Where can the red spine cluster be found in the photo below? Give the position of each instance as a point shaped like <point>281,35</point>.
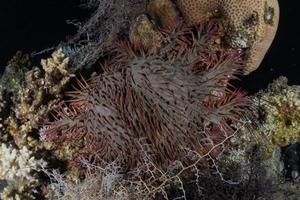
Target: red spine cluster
<point>165,102</point>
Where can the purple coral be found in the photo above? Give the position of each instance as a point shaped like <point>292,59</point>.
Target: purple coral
<point>164,102</point>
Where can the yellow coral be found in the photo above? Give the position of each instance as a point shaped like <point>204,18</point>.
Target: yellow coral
<point>282,107</point>
<point>31,108</point>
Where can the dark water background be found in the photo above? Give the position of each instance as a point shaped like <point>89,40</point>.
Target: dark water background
<point>34,25</point>
<point>283,58</point>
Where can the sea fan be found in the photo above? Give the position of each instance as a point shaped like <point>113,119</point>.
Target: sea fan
<point>164,102</point>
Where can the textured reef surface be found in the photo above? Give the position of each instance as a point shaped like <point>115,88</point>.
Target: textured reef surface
<point>144,103</point>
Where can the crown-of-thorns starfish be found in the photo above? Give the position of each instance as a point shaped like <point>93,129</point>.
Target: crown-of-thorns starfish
<point>251,23</point>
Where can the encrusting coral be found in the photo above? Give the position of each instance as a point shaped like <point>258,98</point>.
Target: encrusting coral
<point>249,24</point>
<point>11,84</point>
<point>17,173</point>
<point>277,134</point>
<point>280,108</point>
<point>162,11</point>
<point>277,124</point>
<point>142,33</point>
<point>160,102</point>
<point>14,74</point>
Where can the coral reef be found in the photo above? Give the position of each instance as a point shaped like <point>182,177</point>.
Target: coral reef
<point>248,25</point>
<point>280,108</point>
<point>251,24</point>
<point>142,33</point>
<point>14,74</point>
<point>27,95</point>
<point>160,119</point>
<point>57,73</point>
<point>277,117</point>
<point>277,133</point>
<point>11,84</point>
<point>39,93</point>
<point>162,11</point>
<point>17,173</point>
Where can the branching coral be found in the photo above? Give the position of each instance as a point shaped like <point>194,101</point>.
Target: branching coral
<point>57,73</point>
<point>11,83</point>
<point>17,169</point>
<point>40,92</point>
<point>164,101</point>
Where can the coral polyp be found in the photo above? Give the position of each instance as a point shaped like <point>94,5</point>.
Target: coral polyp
<point>162,102</point>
